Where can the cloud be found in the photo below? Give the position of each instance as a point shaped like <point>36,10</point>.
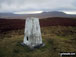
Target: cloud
<point>36,5</point>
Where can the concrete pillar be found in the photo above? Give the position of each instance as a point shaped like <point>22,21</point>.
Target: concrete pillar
<point>32,33</point>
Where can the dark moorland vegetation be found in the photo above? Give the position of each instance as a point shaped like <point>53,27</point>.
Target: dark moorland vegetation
<point>14,24</point>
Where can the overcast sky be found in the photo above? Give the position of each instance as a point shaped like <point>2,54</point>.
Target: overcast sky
<point>37,5</point>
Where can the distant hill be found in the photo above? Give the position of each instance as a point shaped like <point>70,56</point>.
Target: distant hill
<point>40,15</point>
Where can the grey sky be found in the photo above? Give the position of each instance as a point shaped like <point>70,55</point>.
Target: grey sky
<point>37,5</point>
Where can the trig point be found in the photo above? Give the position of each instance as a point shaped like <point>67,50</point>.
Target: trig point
<point>32,33</point>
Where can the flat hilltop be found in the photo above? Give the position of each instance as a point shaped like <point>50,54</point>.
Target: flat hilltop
<point>58,34</point>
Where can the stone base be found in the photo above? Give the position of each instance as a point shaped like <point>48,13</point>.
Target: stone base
<point>37,46</point>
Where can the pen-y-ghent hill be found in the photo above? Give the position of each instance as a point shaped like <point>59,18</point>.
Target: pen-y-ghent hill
<point>58,33</point>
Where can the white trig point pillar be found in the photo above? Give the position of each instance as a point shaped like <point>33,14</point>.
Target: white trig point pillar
<point>32,33</point>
